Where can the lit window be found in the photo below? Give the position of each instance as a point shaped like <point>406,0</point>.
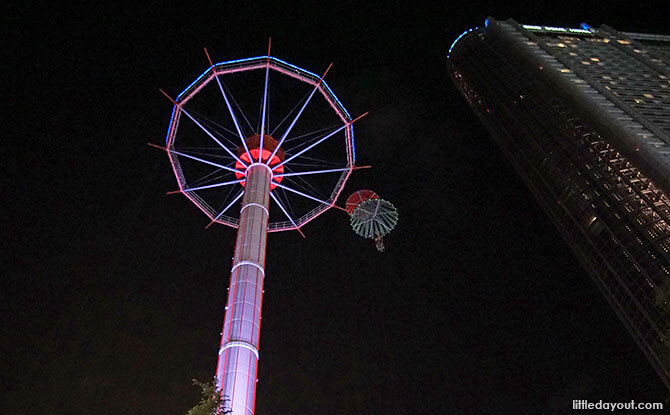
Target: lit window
<point>595,59</point>
<point>565,70</point>
<point>648,95</point>
<point>560,45</point>
<point>623,42</point>
<point>572,54</point>
<point>585,63</point>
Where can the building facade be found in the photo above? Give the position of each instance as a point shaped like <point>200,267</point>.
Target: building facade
<point>583,115</point>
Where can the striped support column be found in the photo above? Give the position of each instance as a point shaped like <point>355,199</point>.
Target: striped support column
<point>238,355</point>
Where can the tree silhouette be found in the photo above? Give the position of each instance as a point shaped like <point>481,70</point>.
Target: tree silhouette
<point>211,400</point>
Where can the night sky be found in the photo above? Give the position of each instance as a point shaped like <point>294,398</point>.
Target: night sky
<point>113,293</point>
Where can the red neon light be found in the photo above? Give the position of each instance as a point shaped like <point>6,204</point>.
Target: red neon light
<point>357,198</point>
<point>266,154</point>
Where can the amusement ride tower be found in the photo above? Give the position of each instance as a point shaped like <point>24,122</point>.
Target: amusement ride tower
<point>219,156</point>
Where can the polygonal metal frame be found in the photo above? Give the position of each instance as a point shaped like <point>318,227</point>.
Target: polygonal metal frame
<point>250,64</point>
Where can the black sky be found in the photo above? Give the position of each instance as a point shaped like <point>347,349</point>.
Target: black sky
<point>113,292</point>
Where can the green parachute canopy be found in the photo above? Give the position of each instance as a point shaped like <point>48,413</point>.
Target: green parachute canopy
<point>374,218</point>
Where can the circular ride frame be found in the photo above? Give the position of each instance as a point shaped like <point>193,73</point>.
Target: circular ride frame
<point>236,373</point>
<point>249,64</point>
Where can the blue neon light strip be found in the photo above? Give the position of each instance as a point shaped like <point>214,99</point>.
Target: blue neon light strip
<point>584,30</point>
<point>193,83</point>
<point>527,27</point>
<point>259,58</point>
<point>353,144</point>
<point>209,69</point>
<point>316,78</point>
<point>459,38</point>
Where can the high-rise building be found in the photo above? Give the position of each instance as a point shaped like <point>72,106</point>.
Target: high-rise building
<point>584,117</point>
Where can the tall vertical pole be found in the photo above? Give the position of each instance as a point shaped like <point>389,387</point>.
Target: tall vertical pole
<point>238,355</point>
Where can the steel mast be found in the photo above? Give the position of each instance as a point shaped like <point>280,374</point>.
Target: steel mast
<point>238,355</point>
<point>208,165</point>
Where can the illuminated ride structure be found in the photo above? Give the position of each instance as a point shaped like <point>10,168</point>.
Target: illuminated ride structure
<point>371,217</point>
<point>294,168</point>
<point>583,115</point>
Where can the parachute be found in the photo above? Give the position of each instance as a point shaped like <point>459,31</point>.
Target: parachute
<point>371,217</point>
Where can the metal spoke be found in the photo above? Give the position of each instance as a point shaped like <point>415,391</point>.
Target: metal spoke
<point>283,210</point>
<point>310,133</point>
<point>288,115</point>
<point>325,163</point>
<point>301,173</point>
<point>231,190</point>
<point>239,108</point>
<point>301,193</point>
<point>213,138</point>
<point>211,122</point>
<point>203,153</point>
<point>264,109</point>
<point>267,115</point>
<point>209,186</point>
<point>362,209</point>
<point>221,166</point>
<point>306,186</point>
<point>290,127</point>
<point>232,114</point>
<point>301,144</point>
<point>297,164</point>
<point>193,148</point>
<point>229,205</point>
<point>283,197</point>
<point>208,177</point>
<point>312,146</point>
